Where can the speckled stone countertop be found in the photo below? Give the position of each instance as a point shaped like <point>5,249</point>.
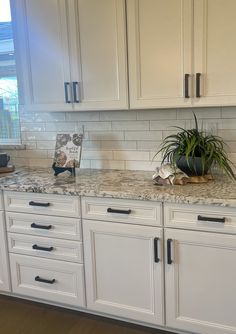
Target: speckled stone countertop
<point>119,184</point>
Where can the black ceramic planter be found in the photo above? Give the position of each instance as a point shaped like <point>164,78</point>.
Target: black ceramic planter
<point>193,167</point>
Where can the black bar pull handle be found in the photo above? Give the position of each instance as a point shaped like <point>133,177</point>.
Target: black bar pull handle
<point>42,227</point>
<point>66,89</point>
<point>75,86</point>
<point>32,203</point>
<point>46,249</point>
<point>156,257</point>
<point>169,259</point>
<point>198,85</point>
<point>211,219</point>
<point>124,212</point>
<point>186,85</point>
<point>43,280</point>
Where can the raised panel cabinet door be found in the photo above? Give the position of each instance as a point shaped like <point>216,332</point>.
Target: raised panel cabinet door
<point>98,54</point>
<point>42,40</point>
<point>215,52</point>
<point>123,270</point>
<point>200,274</point>
<point>4,262</point>
<point>159,53</point>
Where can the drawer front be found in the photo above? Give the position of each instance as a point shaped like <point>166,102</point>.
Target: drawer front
<point>200,217</point>
<point>66,250</point>
<point>55,205</point>
<point>52,280</point>
<point>57,227</point>
<point>1,201</point>
<point>122,210</point>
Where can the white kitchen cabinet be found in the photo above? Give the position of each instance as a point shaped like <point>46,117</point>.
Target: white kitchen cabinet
<point>73,54</point>
<point>159,52</point>
<point>124,270</point>
<point>43,53</point>
<point>4,263</point>
<point>181,53</point>
<point>215,51</point>
<point>200,274</point>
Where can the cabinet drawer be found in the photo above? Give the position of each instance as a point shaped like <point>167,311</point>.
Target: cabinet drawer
<point>56,205</point>
<point>66,250</point>
<point>57,227</point>
<point>121,210</point>
<point>52,280</point>
<point>200,217</point>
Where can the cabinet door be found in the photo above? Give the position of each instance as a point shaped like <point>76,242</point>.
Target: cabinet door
<point>43,52</point>
<point>4,263</point>
<point>215,51</point>
<point>98,52</point>
<point>159,41</point>
<point>122,277</point>
<point>200,293</point>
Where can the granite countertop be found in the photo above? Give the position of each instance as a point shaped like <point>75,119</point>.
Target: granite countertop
<point>119,184</point>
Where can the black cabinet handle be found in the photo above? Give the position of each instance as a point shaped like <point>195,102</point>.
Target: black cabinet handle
<point>198,87</point>
<point>125,212</point>
<point>211,219</point>
<point>32,203</point>
<point>156,257</point>
<point>186,85</point>
<point>66,89</point>
<point>75,86</point>
<point>169,259</point>
<point>43,280</point>
<point>46,249</point>
<point>42,227</point>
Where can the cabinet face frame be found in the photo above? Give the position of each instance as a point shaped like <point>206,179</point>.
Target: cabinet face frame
<point>184,313</point>
<point>98,296</point>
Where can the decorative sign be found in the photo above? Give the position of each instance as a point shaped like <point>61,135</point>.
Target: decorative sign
<point>68,150</point>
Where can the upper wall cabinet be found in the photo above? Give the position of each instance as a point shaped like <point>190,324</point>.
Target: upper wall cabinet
<point>73,54</point>
<point>159,42</point>
<point>181,53</point>
<point>215,52</point>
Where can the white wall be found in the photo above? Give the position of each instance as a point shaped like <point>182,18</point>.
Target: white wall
<point>117,139</point>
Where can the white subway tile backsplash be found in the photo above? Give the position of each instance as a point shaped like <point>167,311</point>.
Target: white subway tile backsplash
<point>143,135</point>
<point>158,114</point>
<point>61,126</point>
<point>126,139</point>
<point>119,145</point>
<point>213,112</point>
<point>130,125</point>
<point>131,155</point>
<point>107,164</point>
<point>83,116</point>
<point>97,126</point>
<point>127,115</point>
<point>49,117</point>
<point>166,125</point>
<point>108,135</point>
<point>97,155</point>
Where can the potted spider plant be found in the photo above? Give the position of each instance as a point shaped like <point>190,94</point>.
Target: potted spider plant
<point>195,152</point>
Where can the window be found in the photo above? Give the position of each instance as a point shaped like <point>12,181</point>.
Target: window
<point>9,115</point>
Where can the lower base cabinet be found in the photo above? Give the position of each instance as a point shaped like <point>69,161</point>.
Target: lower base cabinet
<point>123,270</point>
<point>200,281</point>
<point>4,265</point>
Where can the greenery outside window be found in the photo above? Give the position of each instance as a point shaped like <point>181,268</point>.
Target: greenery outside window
<point>9,113</point>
